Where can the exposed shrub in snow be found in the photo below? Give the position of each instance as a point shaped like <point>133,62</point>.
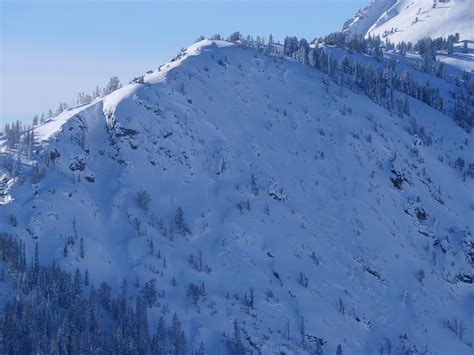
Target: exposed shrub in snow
<point>12,220</point>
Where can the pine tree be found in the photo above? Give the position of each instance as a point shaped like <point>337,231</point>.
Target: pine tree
<point>357,75</point>
<point>159,339</point>
<point>82,252</point>
<point>178,338</point>
<point>112,85</point>
<point>77,288</point>
<point>302,53</point>
<point>378,53</point>
<point>450,44</point>
<point>140,326</point>
<point>181,224</point>
<point>86,278</point>
<point>151,247</point>
<point>290,46</point>
<point>440,70</point>
<point>234,37</point>
<point>36,264</point>
<point>96,93</point>
<point>104,295</point>
<point>252,298</point>
<point>143,200</point>
<point>149,293</point>
<point>234,345</point>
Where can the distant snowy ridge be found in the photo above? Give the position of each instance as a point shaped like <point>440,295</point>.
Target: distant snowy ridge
<point>411,20</point>
<point>368,17</point>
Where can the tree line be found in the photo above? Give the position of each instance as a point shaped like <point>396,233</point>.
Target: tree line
<point>379,81</point>
<point>57,312</point>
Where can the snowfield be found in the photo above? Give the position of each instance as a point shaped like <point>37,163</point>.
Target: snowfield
<point>310,213</point>
<point>411,20</point>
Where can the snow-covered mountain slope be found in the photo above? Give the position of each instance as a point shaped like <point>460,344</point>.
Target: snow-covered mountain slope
<point>365,18</point>
<point>345,222</point>
<point>411,20</point>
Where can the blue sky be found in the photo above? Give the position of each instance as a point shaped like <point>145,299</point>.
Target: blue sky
<point>51,50</point>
